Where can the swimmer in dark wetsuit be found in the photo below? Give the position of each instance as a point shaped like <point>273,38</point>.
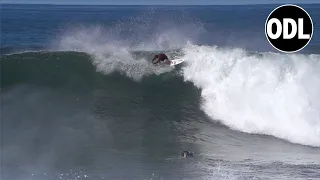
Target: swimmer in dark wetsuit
<point>186,154</point>
<point>161,57</point>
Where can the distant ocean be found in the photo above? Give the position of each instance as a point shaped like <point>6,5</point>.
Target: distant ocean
<point>80,99</point>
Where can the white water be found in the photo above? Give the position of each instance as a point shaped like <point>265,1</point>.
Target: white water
<point>111,46</point>
<point>110,53</point>
<point>272,94</point>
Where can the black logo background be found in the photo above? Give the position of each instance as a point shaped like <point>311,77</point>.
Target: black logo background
<point>293,12</point>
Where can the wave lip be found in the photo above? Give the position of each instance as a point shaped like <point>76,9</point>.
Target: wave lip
<point>111,54</point>
<point>267,93</point>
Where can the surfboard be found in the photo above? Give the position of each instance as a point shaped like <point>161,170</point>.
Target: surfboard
<point>176,62</point>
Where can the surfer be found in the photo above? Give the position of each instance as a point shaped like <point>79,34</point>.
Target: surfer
<point>161,57</point>
<point>186,154</point>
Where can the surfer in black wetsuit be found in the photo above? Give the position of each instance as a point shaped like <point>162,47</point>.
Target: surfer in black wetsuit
<point>161,57</point>
<point>186,154</point>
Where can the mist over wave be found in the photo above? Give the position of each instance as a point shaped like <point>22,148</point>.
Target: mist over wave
<point>109,55</point>
<point>268,93</point>
<point>111,47</point>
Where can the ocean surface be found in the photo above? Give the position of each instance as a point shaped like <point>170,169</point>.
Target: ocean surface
<point>80,99</point>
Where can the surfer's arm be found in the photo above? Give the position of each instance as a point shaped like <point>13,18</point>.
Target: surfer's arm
<point>156,61</point>
<point>155,57</point>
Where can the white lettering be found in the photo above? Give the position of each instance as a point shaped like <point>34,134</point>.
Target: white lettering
<point>269,28</point>
<point>300,34</point>
<point>286,22</point>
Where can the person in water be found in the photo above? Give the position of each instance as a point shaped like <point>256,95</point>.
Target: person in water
<point>186,154</point>
<point>161,57</point>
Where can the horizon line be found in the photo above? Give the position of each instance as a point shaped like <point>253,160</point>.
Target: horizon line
<point>83,4</point>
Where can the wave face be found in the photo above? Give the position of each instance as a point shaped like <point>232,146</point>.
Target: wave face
<point>268,93</point>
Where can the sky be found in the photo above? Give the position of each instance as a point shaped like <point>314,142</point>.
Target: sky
<point>160,2</point>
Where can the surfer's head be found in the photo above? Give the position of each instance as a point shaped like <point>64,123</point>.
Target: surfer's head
<point>186,154</point>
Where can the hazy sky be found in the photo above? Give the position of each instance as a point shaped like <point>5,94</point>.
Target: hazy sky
<point>164,2</point>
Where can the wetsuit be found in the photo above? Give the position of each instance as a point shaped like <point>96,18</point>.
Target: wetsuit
<point>161,57</point>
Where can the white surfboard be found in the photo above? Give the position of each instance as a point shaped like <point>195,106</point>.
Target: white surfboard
<point>176,62</point>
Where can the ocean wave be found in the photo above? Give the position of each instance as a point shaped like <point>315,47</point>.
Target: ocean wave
<point>265,93</point>
<point>59,68</point>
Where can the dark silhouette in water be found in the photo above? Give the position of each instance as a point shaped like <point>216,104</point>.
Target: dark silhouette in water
<point>186,154</point>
